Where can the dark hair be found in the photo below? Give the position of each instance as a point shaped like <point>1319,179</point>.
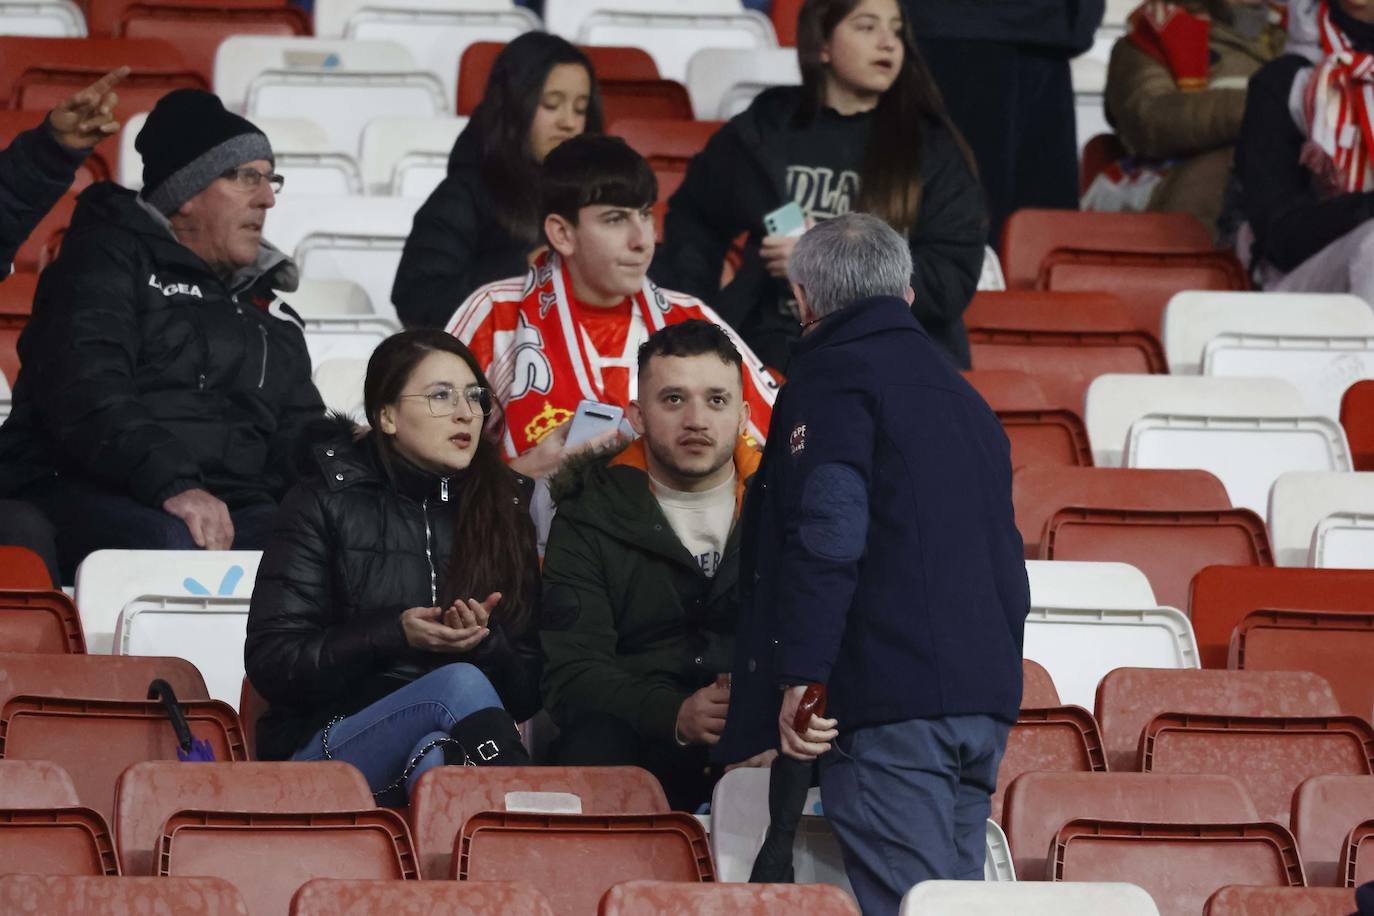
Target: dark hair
<point>890,179</point>
<point>501,123</point>
<point>493,536</point>
<point>693,337</point>
<point>590,170</point>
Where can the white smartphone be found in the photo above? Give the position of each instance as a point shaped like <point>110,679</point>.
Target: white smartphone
<point>592,419</point>
<point>786,220</point>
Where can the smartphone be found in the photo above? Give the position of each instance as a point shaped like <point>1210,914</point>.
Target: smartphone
<point>592,419</point>
<point>786,220</point>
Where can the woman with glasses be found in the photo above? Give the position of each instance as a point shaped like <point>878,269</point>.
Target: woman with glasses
<point>393,620</point>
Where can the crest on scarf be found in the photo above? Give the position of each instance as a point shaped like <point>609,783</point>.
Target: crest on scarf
<point>546,421</point>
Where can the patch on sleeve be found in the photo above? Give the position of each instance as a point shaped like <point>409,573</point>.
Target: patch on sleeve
<point>798,439</point>
<point>561,608</point>
<point>834,513</point>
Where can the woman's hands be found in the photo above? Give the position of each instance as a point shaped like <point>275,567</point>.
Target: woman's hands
<point>453,630</point>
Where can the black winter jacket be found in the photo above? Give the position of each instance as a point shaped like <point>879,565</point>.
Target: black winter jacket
<point>351,550</point>
<point>739,177</point>
<point>35,171</point>
<point>456,244</point>
<point>1064,24</point>
<point>145,372</point>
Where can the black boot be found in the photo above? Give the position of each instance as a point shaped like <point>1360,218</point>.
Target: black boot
<point>487,738</point>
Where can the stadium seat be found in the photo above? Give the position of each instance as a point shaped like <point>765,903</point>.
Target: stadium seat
<point>42,19</point>
<point>445,797</point>
<point>1270,756</point>
<point>1357,417</point>
<point>207,632</point>
<point>12,123</point>
<point>107,580</point>
<point>1169,546</point>
<point>723,81</point>
<point>39,621</point>
<point>1041,431</point>
<point>991,279</point>
<point>968,898</point>
<point>407,157</point>
<point>1179,866</point>
<point>740,818</point>
<point>1037,687</point>
<point>16,304</point>
<point>62,895</point>
<point>1343,540</point>
<point>1039,492</point>
<point>1221,596</point>
<point>198,32</point>
<point>30,258</point>
<point>37,73</point>
<point>252,706</point>
<point>1100,153</point>
<point>104,16</point>
<point>333,17</point>
<point>1321,367</point>
<point>268,856</point>
<point>1357,859</point>
<point>669,145</point>
<point>1064,583</point>
<point>97,677</point>
<point>657,98</point>
<point>1128,699</point>
<point>241,61</point>
<point>333,896</point>
<point>340,381</point>
<point>1038,804</point>
<point>1078,646</point>
<point>573,859</point>
<point>36,784</point>
<point>784,14</point>
<point>1326,809</point>
<point>1058,738</point>
<point>316,298</point>
<point>1247,900</point>
<point>610,64</point>
<point>335,338</point>
<point>55,841</point>
<point>660,898</point>
<point>565,17</point>
<point>1300,500</point>
<point>671,38</point>
<point>1336,645</point>
<point>147,794</point>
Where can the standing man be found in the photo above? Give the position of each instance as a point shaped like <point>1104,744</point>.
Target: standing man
<point>881,559</point>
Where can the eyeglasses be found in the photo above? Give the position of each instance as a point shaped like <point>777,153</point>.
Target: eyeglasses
<point>443,402</point>
<point>249,178</point>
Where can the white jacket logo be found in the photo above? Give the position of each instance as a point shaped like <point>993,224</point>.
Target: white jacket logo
<point>175,289</point>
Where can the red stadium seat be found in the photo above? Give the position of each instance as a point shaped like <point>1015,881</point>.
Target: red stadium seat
<point>1038,690</point>
<point>86,896</point>
<point>1179,866</point>
<point>147,794</point>
<point>1357,416</point>
<point>445,797</point>
<point>1221,597</point>
<point>1058,739</point>
<point>573,859</point>
<point>251,708</point>
<point>641,99</point>
<point>1038,804</point>
<point>332,896</point>
<point>784,15</point>
<point>669,145</point>
<point>19,566</point>
<point>1325,811</point>
<point>39,621</point>
<point>1039,492</point>
<point>1100,152</point>
<point>1030,235</point>
<point>269,856</point>
<point>1042,432</point>
<point>474,68</point>
<point>1335,644</point>
<point>1128,699</point>
<point>55,841</point>
<point>660,898</point>
<point>197,32</point>
<point>1246,900</point>
<point>37,784</point>
<point>29,257</point>
<point>93,169</point>
<point>36,73</point>
<point>103,17</point>
<point>99,677</point>
<point>1357,859</point>
<point>1169,547</point>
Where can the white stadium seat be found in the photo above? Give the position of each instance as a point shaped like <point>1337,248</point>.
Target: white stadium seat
<point>207,632</point>
<point>408,157</point>
<point>1300,500</point>
<point>1027,898</point>
<point>333,16</point>
<point>672,38</point>
<point>991,279</point>
<point>1344,540</point>
<point>243,58</point>
<point>315,298</point>
<point>1090,585</point>
<point>340,381</point>
<point>345,338</point>
<point>1089,102</point>
<point>1322,368</point>
<point>42,19</point>
<point>564,17</point>
<point>723,81</point>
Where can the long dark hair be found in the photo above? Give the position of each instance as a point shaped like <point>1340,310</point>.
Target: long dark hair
<point>501,123</point>
<point>493,536</point>
<point>890,180</point>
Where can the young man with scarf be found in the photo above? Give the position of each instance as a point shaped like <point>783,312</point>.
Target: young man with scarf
<point>1304,159</point>
<point>570,328</point>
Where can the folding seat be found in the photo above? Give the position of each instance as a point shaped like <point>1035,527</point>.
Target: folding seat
<point>565,17</point>
<point>208,632</point>
<point>671,38</point>
<point>784,15</point>
<point>345,337</point>
<point>198,32</point>
<point>724,81</point>
<point>1320,366</point>
<point>55,841</point>
<point>62,895</point>
<point>408,157</point>
<point>669,145</point>
<point>39,621</point>
<point>42,19</point>
<point>13,123</point>
<point>1326,810</point>
<point>1042,431</point>
<point>1128,699</point>
<point>96,677</point>
<point>661,99</point>
<point>1037,687</point>
<point>659,898</point>
<point>1220,597</point>
<point>1065,583</point>
<point>446,797</point>
<point>1357,859</point>
<point>340,381</point>
<point>1100,153</point>
<point>991,279</point>
<point>1333,644</point>
<point>1300,500</point>
<point>147,794</point>
<point>968,898</point>
<point>1039,492</point>
<point>36,784</point>
<point>610,63</point>
<point>1343,540</point>
<point>107,580</point>
<point>316,298</point>
<point>104,16</point>
<point>331,896</point>
<point>1357,417</point>
<point>1056,738</point>
<point>1247,900</point>
<point>1088,76</point>
<point>31,258</point>
<point>1038,804</point>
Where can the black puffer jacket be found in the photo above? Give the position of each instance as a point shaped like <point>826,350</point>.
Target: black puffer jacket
<point>456,244</point>
<point>35,171</point>
<point>351,550</point>
<point>143,371</point>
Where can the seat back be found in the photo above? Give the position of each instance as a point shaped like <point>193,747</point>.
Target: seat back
<point>339,338</point>
<point>671,38</point>
<point>332,17</point>
<point>446,797</point>
<point>660,99</point>
<point>1029,236</point>
<point>565,17</point>
<point>241,60</point>
<point>317,298</point>
<point>147,59</point>
<point>1057,738</point>
<point>36,783</point>
<point>39,621</point>
<point>31,257</point>
<point>1299,500</point>
<point>104,16</point>
<point>55,841</point>
<point>96,677</point>
<point>1343,540</point>
<point>294,142</point>
<point>1038,804</point>
<point>12,123</point>
<point>1326,809</point>
<point>340,381</point>
<point>1357,858</point>
<point>64,895</point>
<point>1321,367</point>
<point>1037,687</point>
<point>661,898</point>
<point>46,18</point>
<point>330,896</point>
<point>1041,430</point>
<point>1357,418</point>
<point>474,69</point>
<point>370,260</point>
<point>207,632</point>
<point>149,793</point>
<point>198,33</point>
<point>1090,586</point>
<point>1027,898</point>
<point>1335,645</point>
<point>397,153</point>
<point>1247,900</point>
<point>723,81</point>
<point>1128,699</point>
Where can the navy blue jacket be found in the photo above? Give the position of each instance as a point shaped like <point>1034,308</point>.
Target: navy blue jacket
<point>879,553</point>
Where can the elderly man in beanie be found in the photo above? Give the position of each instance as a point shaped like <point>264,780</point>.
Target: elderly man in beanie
<point>163,383</point>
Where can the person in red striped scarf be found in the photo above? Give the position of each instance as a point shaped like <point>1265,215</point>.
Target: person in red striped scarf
<point>1305,161</point>
<point>571,327</point>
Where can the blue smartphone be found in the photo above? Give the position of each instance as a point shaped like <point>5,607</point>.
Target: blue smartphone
<point>786,220</point>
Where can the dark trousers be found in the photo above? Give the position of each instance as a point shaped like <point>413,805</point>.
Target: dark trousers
<point>1014,106</point>
<point>909,802</point>
<point>603,741</point>
<point>22,524</point>
<point>89,517</point>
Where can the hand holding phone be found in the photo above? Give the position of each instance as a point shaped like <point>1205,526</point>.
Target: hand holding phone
<point>591,420</point>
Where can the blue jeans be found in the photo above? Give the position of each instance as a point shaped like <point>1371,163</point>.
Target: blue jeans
<point>908,802</point>
<point>381,739</point>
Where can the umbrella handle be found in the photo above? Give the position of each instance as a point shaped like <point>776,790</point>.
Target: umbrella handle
<point>812,703</point>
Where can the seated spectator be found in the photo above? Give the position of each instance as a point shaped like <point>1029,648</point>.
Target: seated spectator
<point>865,131</point>
<point>1176,94</point>
<point>568,329</point>
<point>1305,161</point>
<point>640,601</point>
<point>482,223</point>
<point>163,384</point>
<point>394,612</point>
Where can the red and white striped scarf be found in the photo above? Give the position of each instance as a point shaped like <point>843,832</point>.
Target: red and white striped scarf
<point>1338,105</point>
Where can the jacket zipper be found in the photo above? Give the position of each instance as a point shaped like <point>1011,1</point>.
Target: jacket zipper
<point>429,555</point>
<point>262,376</point>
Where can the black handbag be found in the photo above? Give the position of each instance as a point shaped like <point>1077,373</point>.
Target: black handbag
<point>189,748</point>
